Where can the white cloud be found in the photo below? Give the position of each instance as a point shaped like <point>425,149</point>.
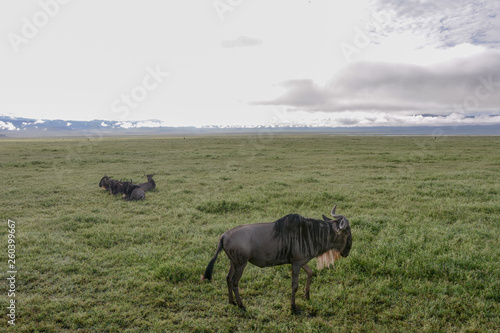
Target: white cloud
<point>7,126</point>
<point>141,124</point>
<point>370,119</point>
<point>125,124</point>
<point>150,123</point>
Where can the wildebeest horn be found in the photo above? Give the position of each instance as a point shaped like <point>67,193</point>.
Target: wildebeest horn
<point>333,210</point>
<point>336,217</point>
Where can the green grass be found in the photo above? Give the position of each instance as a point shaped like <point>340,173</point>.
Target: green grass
<point>424,213</point>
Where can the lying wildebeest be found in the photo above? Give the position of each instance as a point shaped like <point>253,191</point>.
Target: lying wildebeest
<point>115,186</point>
<point>132,191</point>
<point>104,183</point>
<point>149,185</point>
<point>292,239</point>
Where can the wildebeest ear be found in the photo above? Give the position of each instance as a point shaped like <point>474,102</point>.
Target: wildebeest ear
<point>327,219</point>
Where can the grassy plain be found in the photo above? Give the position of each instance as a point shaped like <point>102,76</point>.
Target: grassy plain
<point>424,212</point>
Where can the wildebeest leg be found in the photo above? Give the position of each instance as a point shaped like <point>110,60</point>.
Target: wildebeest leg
<point>229,280</point>
<point>309,272</point>
<point>295,285</point>
<point>238,271</point>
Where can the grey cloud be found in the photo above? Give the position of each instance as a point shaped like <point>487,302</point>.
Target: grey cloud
<point>301,93</point>
<point>465,85</point>
<point>241,41</point>
<point>446,23</point>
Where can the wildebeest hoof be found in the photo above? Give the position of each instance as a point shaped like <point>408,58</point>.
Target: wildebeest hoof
<point>296,310</point>
<point>233,303</point>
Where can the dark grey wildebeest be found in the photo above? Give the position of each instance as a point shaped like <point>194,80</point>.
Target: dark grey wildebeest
<point>292,239</point>
<point>149,185</point>
<point>113,186</point>
<point>132,191</point>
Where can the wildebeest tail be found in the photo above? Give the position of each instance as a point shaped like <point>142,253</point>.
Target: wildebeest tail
<point>210,267</point>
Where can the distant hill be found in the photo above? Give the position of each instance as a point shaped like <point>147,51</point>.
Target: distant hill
<point>26,127</point>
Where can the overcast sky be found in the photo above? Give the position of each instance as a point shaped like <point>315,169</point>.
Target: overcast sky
<point>258,62</point>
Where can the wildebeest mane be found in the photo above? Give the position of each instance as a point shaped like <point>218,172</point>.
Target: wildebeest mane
<point>307,235</point>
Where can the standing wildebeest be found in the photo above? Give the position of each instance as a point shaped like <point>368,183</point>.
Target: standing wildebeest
<point>149,185</point>
<point>292,239</point>
<point>132,191</point>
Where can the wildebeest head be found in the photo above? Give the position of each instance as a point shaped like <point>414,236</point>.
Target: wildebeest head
<point>342,237</point>
<point>104,182</point>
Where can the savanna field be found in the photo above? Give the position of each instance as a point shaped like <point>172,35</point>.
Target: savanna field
<point>424,214</point>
